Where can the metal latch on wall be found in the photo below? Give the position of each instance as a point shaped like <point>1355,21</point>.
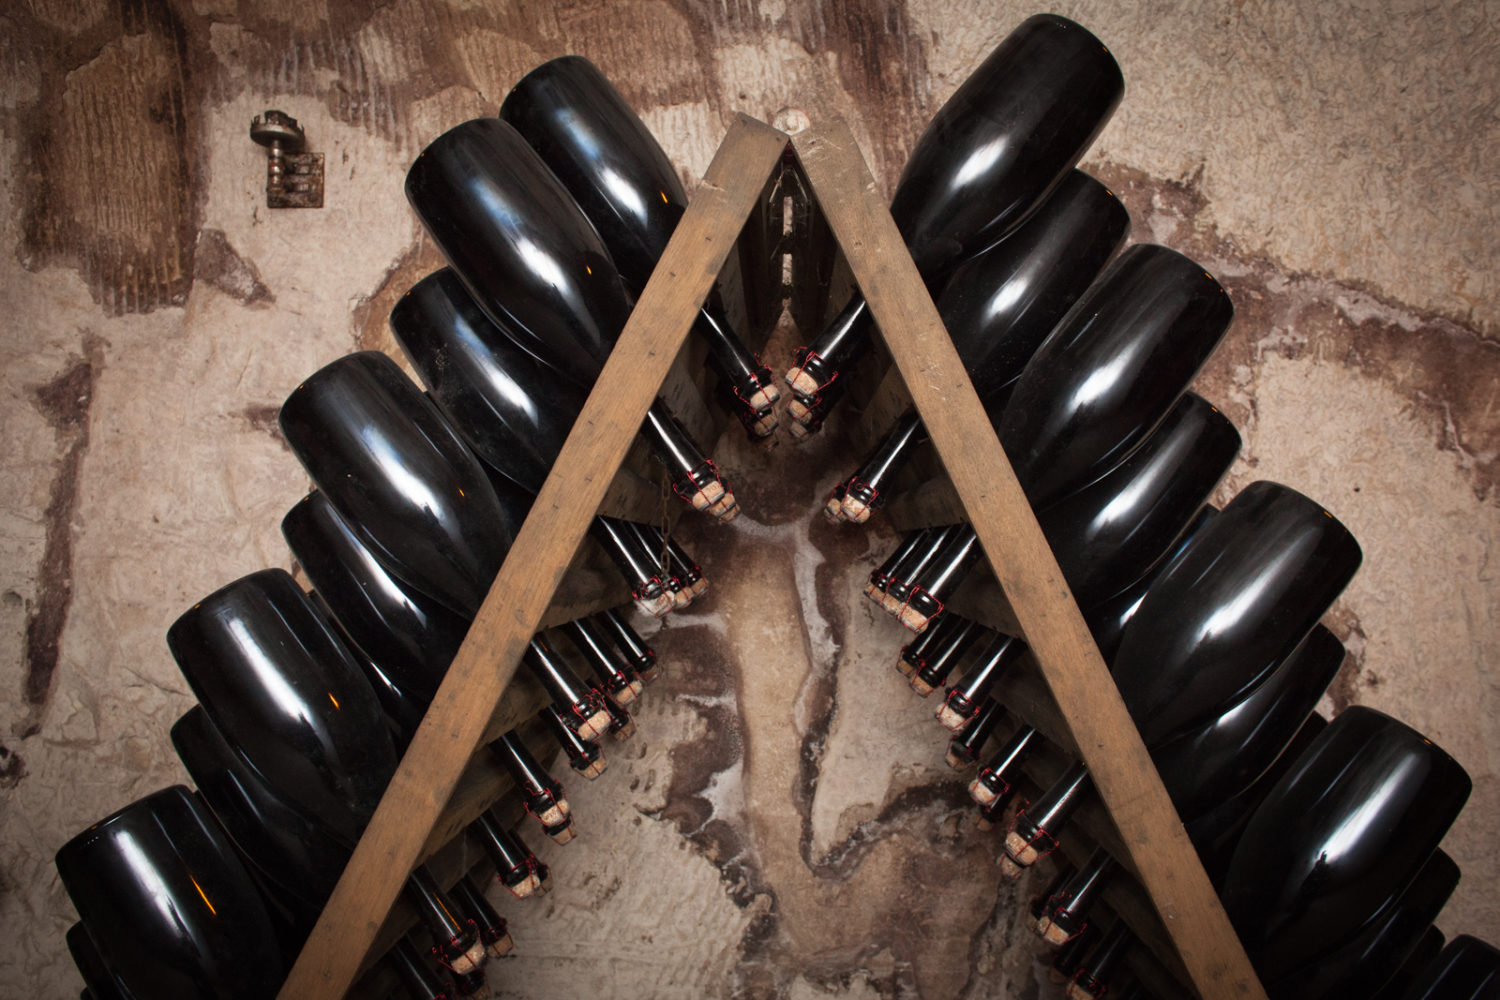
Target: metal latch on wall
<point>294,177</point>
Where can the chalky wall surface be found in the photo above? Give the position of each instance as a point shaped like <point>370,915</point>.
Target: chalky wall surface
<point>784,824</point>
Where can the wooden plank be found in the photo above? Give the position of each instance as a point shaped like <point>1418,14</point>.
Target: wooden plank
<point>1007,529</point>
<point>534,569</point>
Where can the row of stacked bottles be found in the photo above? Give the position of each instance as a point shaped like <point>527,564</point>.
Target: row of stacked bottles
<point>307,698</point>
<point>1322,838</point>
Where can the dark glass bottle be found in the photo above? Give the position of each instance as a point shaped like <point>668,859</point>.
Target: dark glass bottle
<point>1065,914</point>
<point>540,793</point>
<point>934,583</point>
<point>492,929</point>
<point>683,565</point>
<point>1092,979</point>
<point>1000,306</point>
<point>288,850</point>
<point>280,687</point>
<point>1107,620</point>
<point>609,162</point>
<point>629,643</point>
<point>1429,946</point>
<point>583,755</point>
<point>911,567</point>
<point>1113,368</point>
<point>1362,964</point>
<point>617,674</point>
<point>636,564</point>
<point>968,693</point>
<point>581,707</point>
<point>946,654</point>
<point>1110,533</point>
<point>287,697</point>
<point>865,491</point>
<point>400,478</point>
<point>168,904</point>
<point>808,415</point>
<point>538,270</point>
<point>514,410</point>
<point>987,159</point>
<point>1209,765</point>
<point>516,867</point>
<point>1221,759</point>
<point>421,982</point>
<point>651,543</point>
<point>1216,832</point>
<point>410,637</point>
<point>914,655</point>
<point>621,725</point>
<point>455,938</point>
<point>968,743</point>
<point>1231,608</point>
<point>1347,828</point>
<point>996,781</point>
<point>1466,969</point>
<point>880,577</point>
<point>1034,831</point>
<point>99,982</point>
<point>1071,955</point>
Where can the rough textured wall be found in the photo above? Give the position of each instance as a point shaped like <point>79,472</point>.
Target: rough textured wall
<point>784,821</point>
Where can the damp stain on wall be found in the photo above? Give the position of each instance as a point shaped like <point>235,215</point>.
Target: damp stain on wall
<point>64,402</point>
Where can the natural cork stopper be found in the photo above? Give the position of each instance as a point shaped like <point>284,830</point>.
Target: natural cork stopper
<point>594,725</point>
<point>801,382</point>
<point>1018,850</point>
<point>469,960</point>
<point>951,718</point>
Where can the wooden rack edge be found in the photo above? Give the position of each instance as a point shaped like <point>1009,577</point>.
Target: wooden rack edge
<point>1013,542</point>
<point>488,659</point>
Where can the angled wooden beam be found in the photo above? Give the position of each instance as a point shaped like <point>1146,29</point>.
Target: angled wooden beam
<point>1050,620</point>
<point>511,613</point>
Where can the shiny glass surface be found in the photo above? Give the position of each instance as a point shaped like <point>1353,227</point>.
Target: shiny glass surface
<point>623,182</point>
<point>399,477</point>
<point>1240,597</point>
<point>409,637</point>
<point>297,854</point>
<point>1466,969</point>
<point>1347,828</point>
<point>282,689</point>
<point>1000,306</point>
<point>1109,534</point>
<point>169,906</point>
<point>513,410</point>
<point>1217,761</point>
<point>520,245</point>
<point>1005,138</point>
<point>1361,965</point>
<point>1111,370</point>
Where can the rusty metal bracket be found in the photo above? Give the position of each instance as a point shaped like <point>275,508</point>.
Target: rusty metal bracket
<point>294,177</point>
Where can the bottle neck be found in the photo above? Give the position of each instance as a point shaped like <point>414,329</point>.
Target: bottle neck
<point>572,697</point>
<point>965,697</point>
<point>748,380</point>
<point>965,748</point>
<point>946,655</point>
<point>997,779</point>
<point>618,676</point>
<point>456,939</point>
<point>869,487</point>
<point>840,344</point>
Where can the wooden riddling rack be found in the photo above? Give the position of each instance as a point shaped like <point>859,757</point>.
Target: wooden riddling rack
<point>766,195</point>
